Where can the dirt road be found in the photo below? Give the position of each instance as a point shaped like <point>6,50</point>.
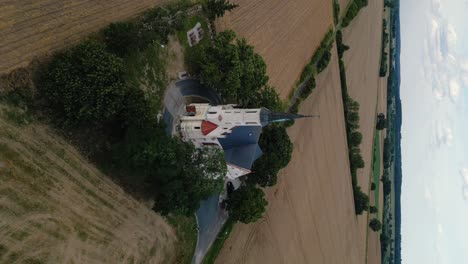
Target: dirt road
<point>57,208</point>
<point>31,28</point>
<point>284,33</point>
<point>310,217</point>
<point>362,64</point>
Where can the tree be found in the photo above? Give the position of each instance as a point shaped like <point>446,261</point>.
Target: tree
<point>324,60</point>
<point>85,85</point>
<point>253,75</point>
<point>247,204</point>
<point>355,158</point>
<point>235,71</point>
<point>355,138</point>
<point>361,200</point>
<point>381,121</point>
<point>217,8</point>
<point>387,185</point>
<point>372,186</point>
<point>375,224</point>
<point>373,209</point>
<point>121,37</point>
<point>267,97</point>
<point>174,173</point>
<point>210,162</point>
<point>277,149</point>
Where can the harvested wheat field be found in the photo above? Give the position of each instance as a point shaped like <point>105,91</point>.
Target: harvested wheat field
<point>57,208</point>
<point>310,217</point>
<point>31,28</point>
<point>284,33</point>
<point>362,62</point>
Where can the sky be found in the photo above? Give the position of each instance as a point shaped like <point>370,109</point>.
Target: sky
<point>434,93</point>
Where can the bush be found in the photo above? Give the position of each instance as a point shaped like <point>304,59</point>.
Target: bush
<point>373,209</point>
<point>84,85</point>
<point>373,186</point>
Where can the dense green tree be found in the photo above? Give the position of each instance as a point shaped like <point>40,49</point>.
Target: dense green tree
<point>267,97</point>
<point>355,138</point>
<point>381,121</point>
<point>220,66</point>
<point>355,158</point>
<point>85,85</point>
<point>178,176</point>
<point>324,60</point>
<point>372,209</point>
<point>372,186</point>
<point>387,185</point>
<point>121,37</point>
<point>253,72</point>
<point>247,204</point>
<point>361,200</point>
<point>234,70</point>
<point>216,8</point>
<point>375,224</point>
<point>277,149</point>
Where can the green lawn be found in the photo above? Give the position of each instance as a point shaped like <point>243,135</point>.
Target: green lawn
<point>189,23</point>
<point>376,169</point>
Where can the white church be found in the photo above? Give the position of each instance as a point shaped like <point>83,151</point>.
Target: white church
<point>236,131</point>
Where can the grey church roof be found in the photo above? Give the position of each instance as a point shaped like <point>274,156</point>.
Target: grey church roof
<point>241,146</point>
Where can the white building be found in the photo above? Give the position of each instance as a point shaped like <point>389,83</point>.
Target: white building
<point>235,130</point>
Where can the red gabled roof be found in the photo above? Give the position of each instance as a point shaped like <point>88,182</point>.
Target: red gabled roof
<point>207,127</point>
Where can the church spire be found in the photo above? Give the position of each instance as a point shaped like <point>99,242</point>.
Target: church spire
<point>267,116</point>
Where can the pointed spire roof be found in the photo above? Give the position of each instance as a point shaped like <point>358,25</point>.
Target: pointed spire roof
<point>267,116</point>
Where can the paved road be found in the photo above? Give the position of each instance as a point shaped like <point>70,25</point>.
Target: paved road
<point>210,219</point>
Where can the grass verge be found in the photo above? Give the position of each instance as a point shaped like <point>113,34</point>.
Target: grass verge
<point>213,253</point>
<point>186,229</point>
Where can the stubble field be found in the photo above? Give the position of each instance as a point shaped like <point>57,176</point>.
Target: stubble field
<point>34,28</point>
<point>57,208</point>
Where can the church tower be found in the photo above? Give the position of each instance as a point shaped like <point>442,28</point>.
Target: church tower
<point>235,130</point>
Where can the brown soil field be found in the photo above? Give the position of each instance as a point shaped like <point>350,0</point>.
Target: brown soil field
<point>57,208</point>
<point>362,64</point>
<point>310,217</point>
<point>284,33</point>
<point>32,28</point>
